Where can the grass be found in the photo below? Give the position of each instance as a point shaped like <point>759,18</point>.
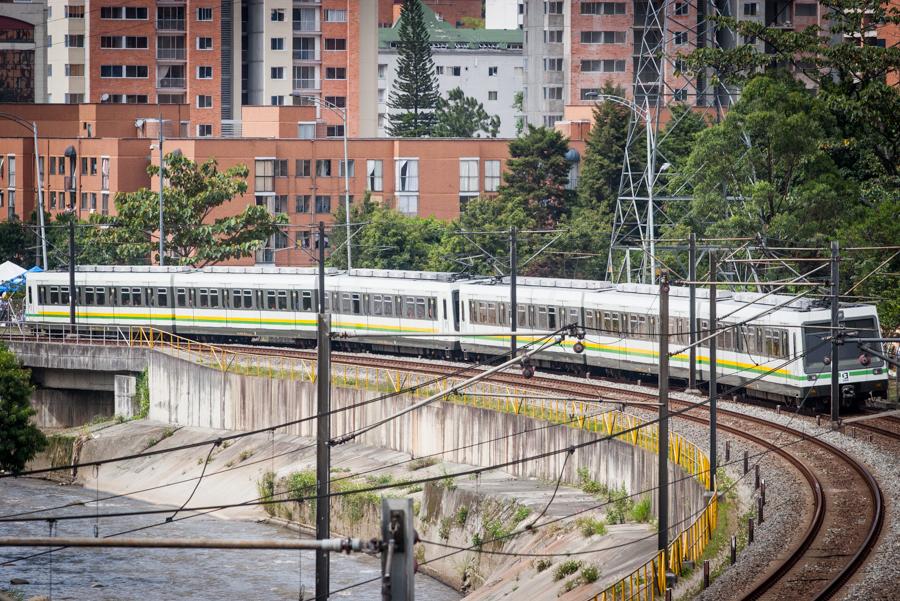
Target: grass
<point>142,394</point>
<point>588,484</point>
<point>266,489</point>
<point>444,530</point>
<point>461,515</point>
<point>566,568</point>
<point>542,564</point>
<point>591,526</point>
<point>590,574</point>
<point>421,463</point>
<point>521,513</point>
<point>447,481</point>
<point>245,455</point>
<point>640,511</point>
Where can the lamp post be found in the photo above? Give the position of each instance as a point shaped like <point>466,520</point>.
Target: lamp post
<point>342,113</point>
<point>643,113</point>
<point>39,176</point>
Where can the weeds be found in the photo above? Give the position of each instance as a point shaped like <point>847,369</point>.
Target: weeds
<point>422,462</point>
<point>461,515</point>
<point>566,568</point>
<point>591,526</point>
<point>542,564</point>
<point>521,513</point>
<point>589,485</point>
<point>640,511</point>
<point>444,530</point>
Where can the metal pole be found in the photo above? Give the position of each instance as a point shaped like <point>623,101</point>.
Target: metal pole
<point>347,192</point>
<point>835,323</point>
<point>332,544</point>
<point>663,426</point>
<point>713,392</point>
<point>39,176</point>
<point>162,165</point>
<point>692,312</point>
<point>323,430</point>
<point>513,302</point>
<point>651,168</point>
<point>72,270</point>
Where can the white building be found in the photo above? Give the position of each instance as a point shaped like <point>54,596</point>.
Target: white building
<point>488,64</point>
<point>504,14</point>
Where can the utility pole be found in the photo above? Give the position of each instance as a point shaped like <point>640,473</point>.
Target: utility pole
<point>72,270</point>
<point>513,303</point>
<point>323,430</point>
<point>692,312</point>
<point>398,535</point>
<point>713,392</point>
<point>162,165</point>
<point>835,324</point>
<point>662,509</point>
<point>39,177</point>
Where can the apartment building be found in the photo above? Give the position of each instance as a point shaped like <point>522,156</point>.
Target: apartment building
<point>486,63</point>
<point>453,12</point>
<point>23,52</point>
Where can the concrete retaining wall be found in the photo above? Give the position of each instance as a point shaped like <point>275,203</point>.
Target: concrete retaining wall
<point>184,393</point>
<point>67,408</point>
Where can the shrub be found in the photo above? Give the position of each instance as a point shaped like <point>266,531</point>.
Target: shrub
<point>461,514</point>
<point>444,530</point>
<point>142,394</point>
<point>542,564</point>
<point>266,488</point>
<point>591,526</point>
<point>589,485</point>
<point>620,506</point>
<point>566,568</point>
<point>590,574</point>
<point>521,513</point>
<point>640,511</point>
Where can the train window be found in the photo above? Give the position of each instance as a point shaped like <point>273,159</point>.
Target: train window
<point>704,332</point>
<point>432,308</point>
<point>125,297</point>
<point>162,297</point>
<point>247,296</point>
<point>574,316</point>
<point>306,300</point>
<point>542,317</point>
<point>282,300</point>
<point>100,295</point>
<point>345,302</point>
<point>137,297</point>
<point>181,297</point>
<point>551,318</point>
<point>473,312</point>
<point>89,295</point>
<point>270,300</point>
<point>377,307</point>
<point>462,311</point>
<point>522,310</point>
<point>589,319</point>
<point>203,297</point>
<point>443,301</point>
<point>391,306</point>
<point>31,301</point>
<point>327,302</point>
<point>492,313</point>
<point>42,295</point>
<point>214,298</point>
<point>503,317</point>
<point>54,295</point>
<point>409,307</point>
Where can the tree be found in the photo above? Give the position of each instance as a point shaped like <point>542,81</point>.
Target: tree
<point>461,116</point>
<point>519,105</point>
<point>193,236</point>
<point>415,95</point>
<point>14,242</point>
<point>20,440</point>
<point>601,168</point>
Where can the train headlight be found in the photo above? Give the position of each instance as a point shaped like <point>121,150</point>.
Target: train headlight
<point>864,360</point>
<point>578,347</point>
<point>827,360</point>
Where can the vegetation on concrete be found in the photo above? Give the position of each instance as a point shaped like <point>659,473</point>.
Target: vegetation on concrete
<point>566,568</point>
<point>590,526</point>
<point>542,564</point>
<point>20,440</point>
<point>415,95</point>
<point>142,394</point>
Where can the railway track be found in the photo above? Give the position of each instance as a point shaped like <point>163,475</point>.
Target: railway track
<point>831,549</point>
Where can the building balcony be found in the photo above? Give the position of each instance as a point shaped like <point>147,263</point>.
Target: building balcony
<point>306,85</point>
<point>306,55</point>
<point>170,25</point>
<point>306,27</point>
<point>171,54</point>
<point>172,83</point>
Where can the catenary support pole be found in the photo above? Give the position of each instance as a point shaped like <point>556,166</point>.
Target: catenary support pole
<point>713,376</point>
<point>347,193</point>
<point>162,165</point>
<point>835,323</point>
<point>39,178</point>
<point>72,270</point>
<point>692,312</point>
<point>663,475</point>
<point>513,303</point>
<point>323,430</point>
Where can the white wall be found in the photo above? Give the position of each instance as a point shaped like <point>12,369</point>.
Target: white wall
<point>502,14</point>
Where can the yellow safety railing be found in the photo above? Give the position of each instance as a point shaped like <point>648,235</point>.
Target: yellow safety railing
<point>648,582</point>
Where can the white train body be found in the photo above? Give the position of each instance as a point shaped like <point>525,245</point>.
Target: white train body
<point>781,348</point>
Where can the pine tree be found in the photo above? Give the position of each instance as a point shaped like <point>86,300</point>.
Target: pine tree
<point>415,95</point>
<point>604,153</point>
<point>20,440</point>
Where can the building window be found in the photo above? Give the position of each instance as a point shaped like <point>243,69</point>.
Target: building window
<point>602,37</point>
<point>277,72</point>
<point>468,176</point>
<point>127,12</point>
<point>302,167</point>
<point>323,167</point>
<point>806,9</point>
<point>93,163</point>
<point>603,66</point>
<point>84,200</point>
<point>278,14</point>
<point>603,8</point>
<point>204,101</point>
<point>204,130</point>
<point>407,175</point>
<point>550,120</point>
<point>335,73</point>
<point>306,131</point>
<point>264,175</point>
<point>553,8</point>
<point>492,71</point>
<point>279,204</point>
<point>301,203</point>
<point>74,70</point>
<point>408,204</point>
<point>334,131</point>
<point>338,101</point>
<point>276,43</point>
<point>118,42</point>
<point>439,70</point>
<point>323,204</point>
<point>750,9</point>
<point>74,41</point>
<point>352,168</point>
<point>335,44</point>
<point>681,38</point>
<point>305,78</point>
<point>204,43</point>
<point>680,95</point>
<point>374,179</point>
<point>553,36</point>
<point>276,101</point>
<point>681,8</point>
<point>589,93</point>
<point>119,71</point>
<point>335,16</point>
<point>204,14</point>
<point>491,176</point>
<point>492,95</point>
<point>382,71</point>
<point>93,201</point>
<point>52,200</point>
<point>281,168</point>
<point>553,93</point>
<point>104,173</point>
<point>455,71</point>
<point>553,64</point>
<point>104,203</point>
<point>204,72</point>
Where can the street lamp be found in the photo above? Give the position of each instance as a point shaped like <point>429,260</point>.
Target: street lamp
<point>642,113</point>
<point>39,176</point>
<point>342,113</point>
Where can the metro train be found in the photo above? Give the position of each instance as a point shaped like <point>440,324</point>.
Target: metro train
<point>771,346</point>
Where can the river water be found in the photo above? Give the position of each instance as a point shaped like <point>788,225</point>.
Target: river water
<point>164,574</point>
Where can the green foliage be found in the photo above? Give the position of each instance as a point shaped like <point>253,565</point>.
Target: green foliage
<point>415,95</point>
<point>620,506</point>
<point>601,167</point>
<point>566,568</point>
<point>461,116</point>
<point>590,573</point>
<point>15,242</point>
<point>495,530</point>
<point>472,22</point>
<point>194,194</point>
<point>142,394</point>
<point>447,480</point>
<point>461,515</point>
<point>265,487</point>
<point>20,440</point>
<point>421,463</point>
<point>640,511</point>
<point>519,105</point>
<point>542,564</point>
<point>444,530</point>
<point>521,513</point>
<point>589,485</point>
<point>590,526</point>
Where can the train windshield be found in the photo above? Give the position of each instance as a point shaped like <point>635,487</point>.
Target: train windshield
<point>817,339</point>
